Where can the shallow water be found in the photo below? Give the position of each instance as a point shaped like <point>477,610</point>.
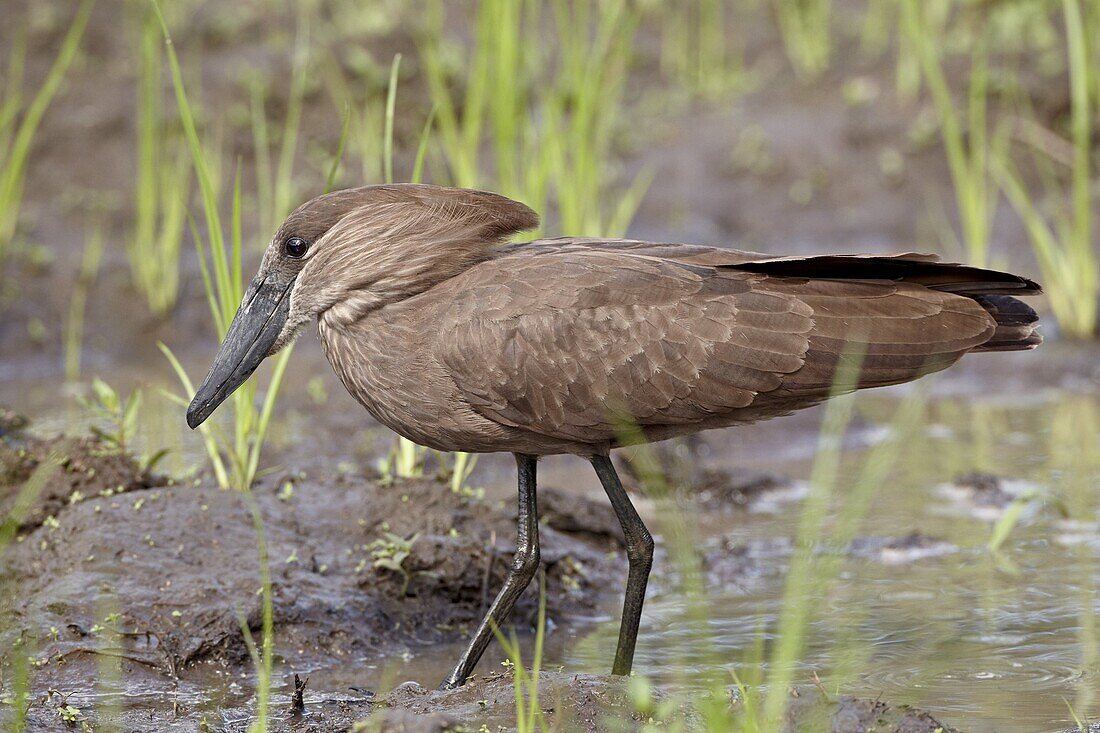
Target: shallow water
<point>985,641</point>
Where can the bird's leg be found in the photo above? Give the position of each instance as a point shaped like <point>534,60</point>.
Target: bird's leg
<point>524,566</point>
<point>639,551</point>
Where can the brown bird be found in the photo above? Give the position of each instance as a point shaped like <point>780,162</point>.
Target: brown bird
<point>462,343</point>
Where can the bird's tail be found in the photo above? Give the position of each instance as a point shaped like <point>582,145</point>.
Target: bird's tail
<point>992,290</point>
<point>1016,324</point>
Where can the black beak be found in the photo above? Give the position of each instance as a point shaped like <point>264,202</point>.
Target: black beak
<point>255,327</point>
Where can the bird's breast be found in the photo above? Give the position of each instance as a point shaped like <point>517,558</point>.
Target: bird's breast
<point>391,371</point>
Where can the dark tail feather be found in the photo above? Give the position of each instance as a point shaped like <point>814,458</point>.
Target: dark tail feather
<point>992,290</point>
<point>914,268</point>
<point>1016,324</point>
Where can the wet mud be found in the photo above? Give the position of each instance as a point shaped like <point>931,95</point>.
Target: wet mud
<point>122,582</point>
<point>595,704</point>
<point>161,576</point>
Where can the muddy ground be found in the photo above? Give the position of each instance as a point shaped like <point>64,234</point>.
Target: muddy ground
<point>179,565</point>
<point>118,580</point>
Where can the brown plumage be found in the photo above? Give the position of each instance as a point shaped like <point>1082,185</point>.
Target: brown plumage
<point>462,343</point>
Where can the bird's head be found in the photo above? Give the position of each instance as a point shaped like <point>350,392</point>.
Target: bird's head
<point>347,253</point>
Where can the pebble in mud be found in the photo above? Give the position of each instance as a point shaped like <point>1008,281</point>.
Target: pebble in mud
<point>86,468</point>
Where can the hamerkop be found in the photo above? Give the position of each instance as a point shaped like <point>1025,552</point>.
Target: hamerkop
<point>460,342</point>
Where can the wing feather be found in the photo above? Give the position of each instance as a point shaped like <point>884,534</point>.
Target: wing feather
<point>569,337</point>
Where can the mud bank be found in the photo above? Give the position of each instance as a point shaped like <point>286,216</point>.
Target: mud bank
<point>112,565</point>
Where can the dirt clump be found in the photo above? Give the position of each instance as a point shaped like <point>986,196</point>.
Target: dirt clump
<point>856,715</point>
<point>73,470</point>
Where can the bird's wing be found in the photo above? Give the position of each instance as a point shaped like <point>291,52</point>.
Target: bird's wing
<point>696,254</point>
<point>572,341</point>
<point>572,344</point>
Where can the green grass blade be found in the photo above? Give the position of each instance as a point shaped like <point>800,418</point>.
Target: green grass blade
<point>345,128</point>
<point>391,105</point>
<point>15,160</point>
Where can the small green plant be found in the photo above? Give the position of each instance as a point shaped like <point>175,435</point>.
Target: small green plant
<point>697,51</point>
<point>69,714</point>
<point>966,142</point>
<point>19,124</point>
<point>1063,242</point>
<point>461,469</point>
<point>74,328</point>
<point>405,460</point>
<point>162,184</point>
<point>807,35</point>
<point>235,460</point>
<point>525,682</point>
<point>120,415</point>
<point>390,552</point>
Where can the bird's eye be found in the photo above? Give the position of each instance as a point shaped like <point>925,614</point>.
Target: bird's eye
<point>295,247</point>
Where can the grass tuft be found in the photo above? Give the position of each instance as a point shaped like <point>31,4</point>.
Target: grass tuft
<point>162,184</point>
<point>538,125</point>
<point>807,36</point>
<point>697,52</point>
<point>529,715</point>
<point>1063,241</point>
<point>965,141</point>
<point>235,459</point>
<point>19,124</point>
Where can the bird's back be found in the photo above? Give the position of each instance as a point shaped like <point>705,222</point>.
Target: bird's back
<point>571,345</point>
